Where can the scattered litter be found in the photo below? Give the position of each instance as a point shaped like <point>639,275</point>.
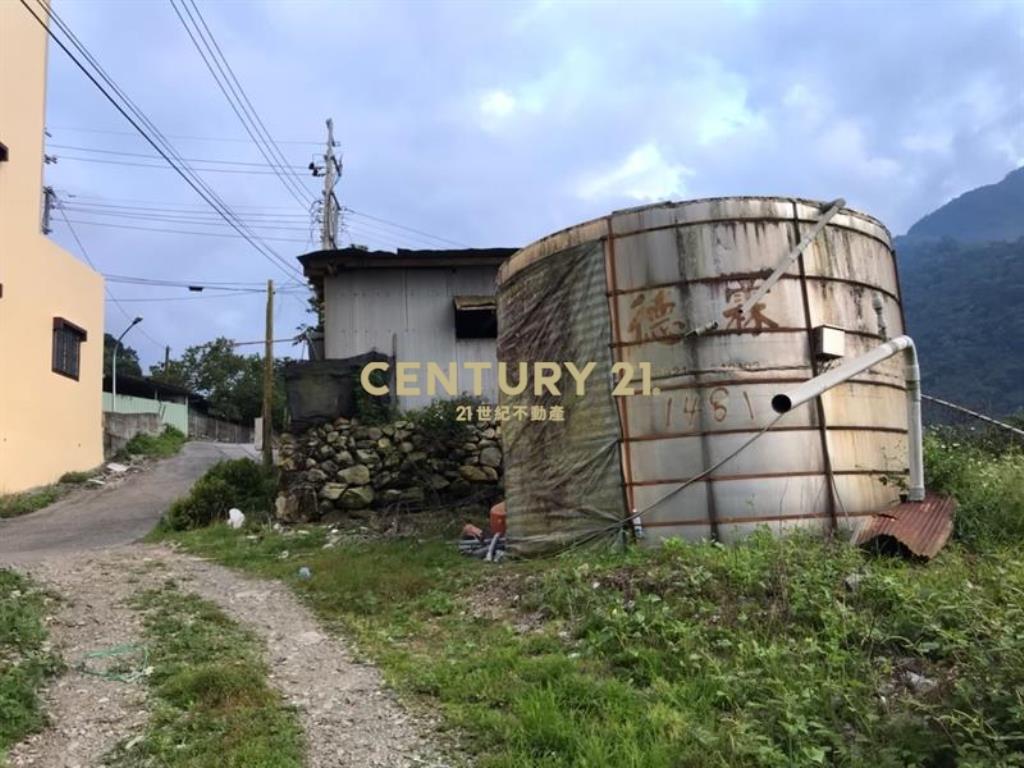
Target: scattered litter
<point>236,518</point>
<point>140,669</point>
<point>284,555</point>
<point>853,581</point>
<point>919,684</point>
<point>118,469</point>
<point>475,544</point>
<point>96,481</point>
<point>305,574</point>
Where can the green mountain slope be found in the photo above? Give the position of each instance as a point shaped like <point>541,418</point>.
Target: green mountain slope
<point>992,212</point>
<point>964,306</point>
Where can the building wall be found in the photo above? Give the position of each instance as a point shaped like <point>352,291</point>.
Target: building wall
<point>49,424</point>
<point>172,414</point>
<point>365,309</point>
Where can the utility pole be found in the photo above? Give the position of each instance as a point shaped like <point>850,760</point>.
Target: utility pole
<point>330,209</point>
<point>268,381</point>
<point>167,358</point>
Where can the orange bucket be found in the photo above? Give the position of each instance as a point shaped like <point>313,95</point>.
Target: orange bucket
<point>498,518</point>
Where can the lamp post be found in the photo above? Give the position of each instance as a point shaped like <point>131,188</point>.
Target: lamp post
<point>113,364</point>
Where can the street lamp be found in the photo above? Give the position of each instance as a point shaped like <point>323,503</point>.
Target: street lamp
<point>113,364</point>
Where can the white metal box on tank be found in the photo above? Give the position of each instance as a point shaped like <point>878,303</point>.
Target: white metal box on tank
<point>664,285</point>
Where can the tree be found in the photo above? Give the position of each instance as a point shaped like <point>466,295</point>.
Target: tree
<point>127,358</point>
<point>232,383</point>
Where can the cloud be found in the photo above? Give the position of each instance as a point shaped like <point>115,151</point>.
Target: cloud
<point>497,123</point>
<point>643,176</point>
<point>497,104</point>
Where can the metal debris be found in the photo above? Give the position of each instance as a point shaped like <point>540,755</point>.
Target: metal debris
<point>923,527</point>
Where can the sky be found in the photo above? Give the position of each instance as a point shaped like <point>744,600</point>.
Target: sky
<point>494,124</point>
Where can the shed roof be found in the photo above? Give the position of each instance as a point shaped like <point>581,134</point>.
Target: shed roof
<point>318,264</point>
<point>144,386</point>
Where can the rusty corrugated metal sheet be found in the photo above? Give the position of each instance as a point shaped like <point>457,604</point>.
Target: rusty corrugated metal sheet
<point>923,527</point>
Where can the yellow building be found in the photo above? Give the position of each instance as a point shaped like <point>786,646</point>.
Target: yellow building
<point>51,304</point>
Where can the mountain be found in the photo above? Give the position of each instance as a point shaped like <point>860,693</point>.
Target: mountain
<point>962,279</point>
<point>992,212</point>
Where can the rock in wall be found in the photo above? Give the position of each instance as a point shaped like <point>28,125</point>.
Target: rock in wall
<point>344,468</point>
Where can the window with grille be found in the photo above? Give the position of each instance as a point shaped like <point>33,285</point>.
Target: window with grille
<point>67,343</point>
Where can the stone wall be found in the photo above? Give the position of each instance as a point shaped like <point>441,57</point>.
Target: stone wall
<point>345,468</point>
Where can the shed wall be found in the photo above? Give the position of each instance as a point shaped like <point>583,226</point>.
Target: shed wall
<point>172,414</point>
<point>365,310</point>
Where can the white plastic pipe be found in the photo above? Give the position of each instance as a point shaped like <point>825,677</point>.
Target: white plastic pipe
<point>787,401</point>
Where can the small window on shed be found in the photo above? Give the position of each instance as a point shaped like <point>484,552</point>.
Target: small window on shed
<point>476,317</point>
<point>67,342</point>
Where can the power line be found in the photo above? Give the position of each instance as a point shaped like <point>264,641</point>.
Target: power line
<point>106,288</point>
<point>237,99</point>
<point>193,218</point>
<point>131,164</point>
<point>245,97</point>
<point>259,224</point>
<point>171,204</point>
<point>249,294</point>
<point>257,215</point>
<point>184,232</point>
<point>97,150</point>
<point>402,226</point>
<point>138,280</point>
<point>166,150</point>
<point>180,136</point>
<point>379,228</point>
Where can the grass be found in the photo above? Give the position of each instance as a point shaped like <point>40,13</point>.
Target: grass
<point>211,705</point>
<point>761,654</point>
<point>167,443</point>
<point>25,660</point>
<point>15,504</point>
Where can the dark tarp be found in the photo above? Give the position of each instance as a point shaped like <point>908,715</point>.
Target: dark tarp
<point>563,479</point>
<point>323,390</point>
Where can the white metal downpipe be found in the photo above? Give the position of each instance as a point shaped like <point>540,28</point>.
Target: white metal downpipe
<point>801,393</point>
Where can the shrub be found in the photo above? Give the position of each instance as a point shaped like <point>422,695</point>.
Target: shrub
<point>240,483</point>
<point>373,409</point>
<point>440,418</point>
<point>989,487</point>
<point>167,443</point>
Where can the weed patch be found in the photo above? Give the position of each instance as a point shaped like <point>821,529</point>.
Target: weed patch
<point>167,443</point>
<point>987,482</point>
<point>25,661</point>
<point>792,652</point>
<point>15,504</point>
<point>212,707</point>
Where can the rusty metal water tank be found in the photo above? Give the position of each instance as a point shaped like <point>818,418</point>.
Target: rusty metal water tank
<point>632,286</point>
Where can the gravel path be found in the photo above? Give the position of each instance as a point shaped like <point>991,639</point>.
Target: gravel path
<point>349,717</point>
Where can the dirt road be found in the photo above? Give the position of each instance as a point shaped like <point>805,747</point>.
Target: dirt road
<point>82,549</point>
